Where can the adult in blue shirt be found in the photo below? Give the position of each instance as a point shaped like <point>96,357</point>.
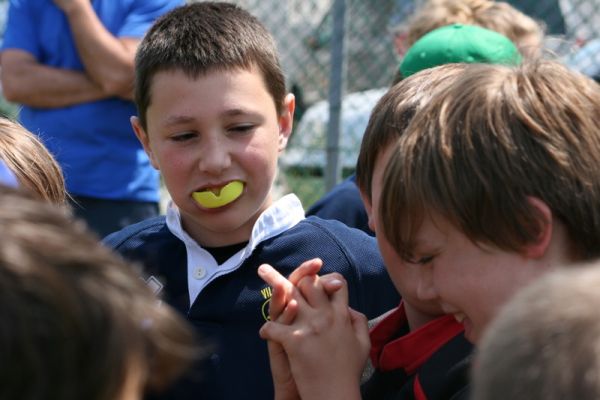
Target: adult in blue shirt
<point>70,64</point>
<point>7,178</point>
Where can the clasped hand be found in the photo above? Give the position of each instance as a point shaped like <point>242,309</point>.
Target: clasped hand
<point>318,345</point>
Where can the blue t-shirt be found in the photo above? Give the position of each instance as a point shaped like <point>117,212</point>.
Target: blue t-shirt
<point>93,142</point>
<point>7,177</point>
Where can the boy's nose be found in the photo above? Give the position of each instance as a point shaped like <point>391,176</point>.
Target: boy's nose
<point>425,288</point>
<point>215,157</point>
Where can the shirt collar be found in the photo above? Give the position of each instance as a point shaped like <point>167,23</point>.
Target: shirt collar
<point>409,351</point>
<point>279,217</point>
<point>202,268</point>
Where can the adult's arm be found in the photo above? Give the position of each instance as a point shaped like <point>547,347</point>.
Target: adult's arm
<point>26,81</point>
<point>108,60</point>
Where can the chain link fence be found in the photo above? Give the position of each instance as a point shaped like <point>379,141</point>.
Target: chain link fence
<point>342,72</point>
<point>323,151</point>
<point>340,56</point>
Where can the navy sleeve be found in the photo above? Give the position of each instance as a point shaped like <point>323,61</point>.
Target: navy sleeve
<point>343,203</point>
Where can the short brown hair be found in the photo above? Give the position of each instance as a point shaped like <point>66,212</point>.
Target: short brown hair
<point>75,316</point>
<point>392,114</point>
<point>498,16</point>
<point>31,162</point>
<point>202,37</point>
<point>485,143</point>
<point>545,342</point>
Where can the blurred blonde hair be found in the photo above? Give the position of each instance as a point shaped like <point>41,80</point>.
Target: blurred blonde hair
<point>30,161</point>
<point>524,31</point>
<point>545,342</point>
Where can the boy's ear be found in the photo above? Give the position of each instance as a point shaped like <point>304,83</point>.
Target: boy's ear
<point>143,138</point>
<point>286,120</point>
<point>540,245</point>
<point>369,208</point>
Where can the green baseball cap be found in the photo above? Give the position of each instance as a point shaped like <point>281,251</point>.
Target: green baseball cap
<point>459,44</point>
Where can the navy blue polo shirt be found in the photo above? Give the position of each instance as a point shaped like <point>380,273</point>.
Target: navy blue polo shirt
<point>230,309</point>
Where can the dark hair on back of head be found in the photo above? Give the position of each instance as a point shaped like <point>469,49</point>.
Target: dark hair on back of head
<point>202,37</point>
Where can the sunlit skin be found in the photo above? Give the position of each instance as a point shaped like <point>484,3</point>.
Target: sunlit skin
<point>208,131</point>
<point>134,382</point>
<point>403,275</point>
<point>472,281</point>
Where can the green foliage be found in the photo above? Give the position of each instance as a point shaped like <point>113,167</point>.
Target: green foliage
<point>308,187</point>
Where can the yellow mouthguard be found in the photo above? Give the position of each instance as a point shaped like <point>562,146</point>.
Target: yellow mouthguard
<point>228,193</point>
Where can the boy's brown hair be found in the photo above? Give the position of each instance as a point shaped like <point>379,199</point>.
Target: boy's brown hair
<point>202,37</point>
<point>30,161</point>
<point>76,317</point>
<point>392,114</point>
<point>490,141</point>
<point>498,16</point>
<point>545,343</point>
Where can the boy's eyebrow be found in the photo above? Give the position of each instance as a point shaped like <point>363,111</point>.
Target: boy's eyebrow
<point>423,244</point>
<point>240,111</point>
<point>183,119</point>
<point>177,119</point>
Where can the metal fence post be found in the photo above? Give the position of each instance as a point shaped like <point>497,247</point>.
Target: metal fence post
<point>336,83</point>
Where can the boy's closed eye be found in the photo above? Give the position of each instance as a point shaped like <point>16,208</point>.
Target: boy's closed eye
<point>421,260</point>
<point>242,128</point>
<point>184,136</point>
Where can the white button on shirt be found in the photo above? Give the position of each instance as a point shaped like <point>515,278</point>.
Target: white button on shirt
<point>199,273</point>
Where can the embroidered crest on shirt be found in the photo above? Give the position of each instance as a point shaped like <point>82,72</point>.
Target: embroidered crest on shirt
<point>266,294</point>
